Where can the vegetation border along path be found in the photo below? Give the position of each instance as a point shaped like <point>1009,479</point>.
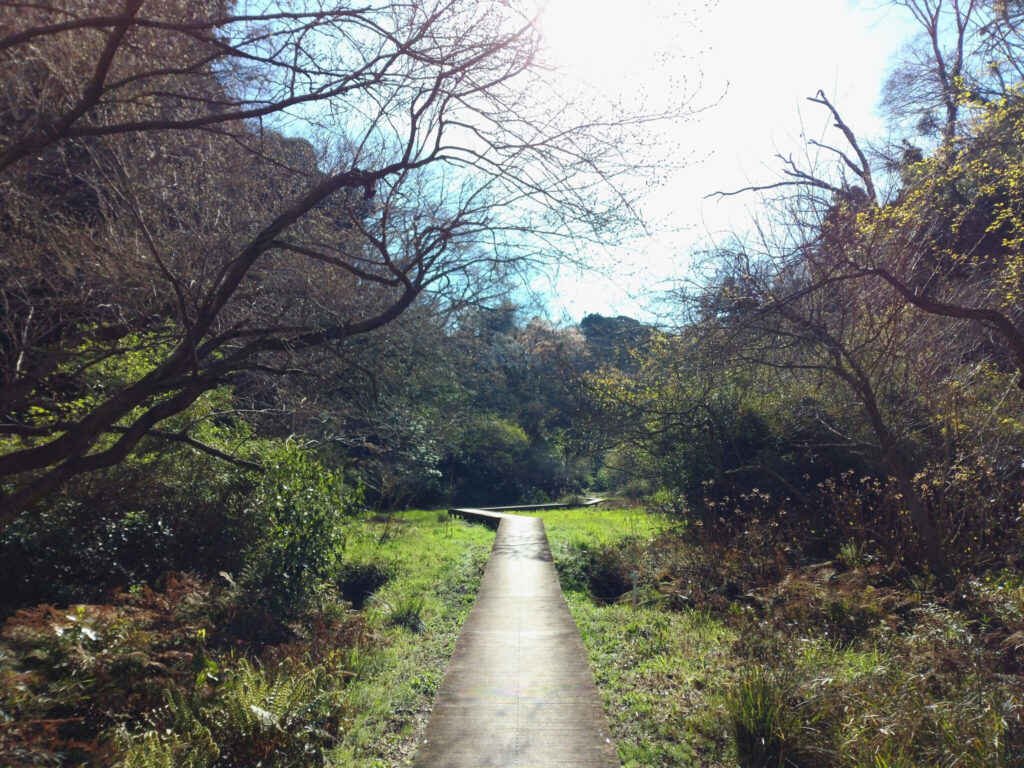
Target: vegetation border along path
<point>519,690</point>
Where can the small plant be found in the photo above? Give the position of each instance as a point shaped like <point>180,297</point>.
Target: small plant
<point>853,555</point>
<point>184,742</point>
<point>280,717</point>
<point>762,720</point>
<point>406,612</point>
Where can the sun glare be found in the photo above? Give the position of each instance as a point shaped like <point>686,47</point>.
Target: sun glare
<point>602,38</point>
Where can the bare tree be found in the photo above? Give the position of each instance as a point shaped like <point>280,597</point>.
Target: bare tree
<point>220,188</point>
<point>965,50</point>
<point>946,234</point>
<point>792,310</point>
<point>862,274</point>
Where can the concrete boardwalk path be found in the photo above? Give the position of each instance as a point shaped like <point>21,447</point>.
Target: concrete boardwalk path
<point>518,692</point>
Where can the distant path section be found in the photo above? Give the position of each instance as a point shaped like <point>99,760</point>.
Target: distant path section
<point>519,692</point>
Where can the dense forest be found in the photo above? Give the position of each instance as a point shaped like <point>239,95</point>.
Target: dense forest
<point>257,280</point>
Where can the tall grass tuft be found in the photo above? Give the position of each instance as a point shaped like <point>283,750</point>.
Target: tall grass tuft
<point>406,612</point>
<point>762,719</point>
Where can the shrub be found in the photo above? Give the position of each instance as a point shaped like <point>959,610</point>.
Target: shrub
<point>608,573</point>
<point>406,612</point>
<point>167,507</point>
<point>571,562</point>
<point>297,512</point>
<point>602,571</point>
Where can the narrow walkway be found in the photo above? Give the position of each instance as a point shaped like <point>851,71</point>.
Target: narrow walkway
<point>519,692</point>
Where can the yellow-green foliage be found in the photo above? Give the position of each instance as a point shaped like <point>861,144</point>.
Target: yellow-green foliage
<point>770,679</point>
<point>354,709</point>
<point>966,205</point>
<point>298,508</point>
<point>185,742</point>
<point>346,688</point>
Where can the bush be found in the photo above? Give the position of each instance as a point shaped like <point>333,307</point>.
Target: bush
<point>297,513</point>
<point>406,612</point>
<point>165,508</point>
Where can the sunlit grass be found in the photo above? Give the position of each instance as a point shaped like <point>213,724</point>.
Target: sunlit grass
<point>657,672</point>
<point>835,663</point>
<point>596,525</point>
<point>434,566</point>
<point>822,664</point>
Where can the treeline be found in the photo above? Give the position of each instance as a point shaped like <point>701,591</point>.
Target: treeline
<point>482,408</point>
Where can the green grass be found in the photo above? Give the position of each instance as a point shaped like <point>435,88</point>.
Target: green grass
<point>595,525</point>
<point>815,671</point>
<point>435,567</point>
<point>659,672</point>
<point>829,672</point>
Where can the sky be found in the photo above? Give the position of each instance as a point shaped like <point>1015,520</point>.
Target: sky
<point>748,66</point>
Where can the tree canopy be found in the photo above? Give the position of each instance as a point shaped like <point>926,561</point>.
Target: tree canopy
<point>216,189</point>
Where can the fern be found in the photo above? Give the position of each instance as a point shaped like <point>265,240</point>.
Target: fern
<point>151,750</point>
<point>262,716</point>
<point>188,743</point>
<point>284,718</point>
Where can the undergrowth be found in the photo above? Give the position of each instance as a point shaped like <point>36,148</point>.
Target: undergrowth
<point>199,675</point>
<point>720,657</point>
<point>741,657</point>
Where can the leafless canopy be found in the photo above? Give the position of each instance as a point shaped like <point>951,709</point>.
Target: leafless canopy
<point>216,186</point>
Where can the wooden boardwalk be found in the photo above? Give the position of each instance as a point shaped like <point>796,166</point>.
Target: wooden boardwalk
<point>518,692</point>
